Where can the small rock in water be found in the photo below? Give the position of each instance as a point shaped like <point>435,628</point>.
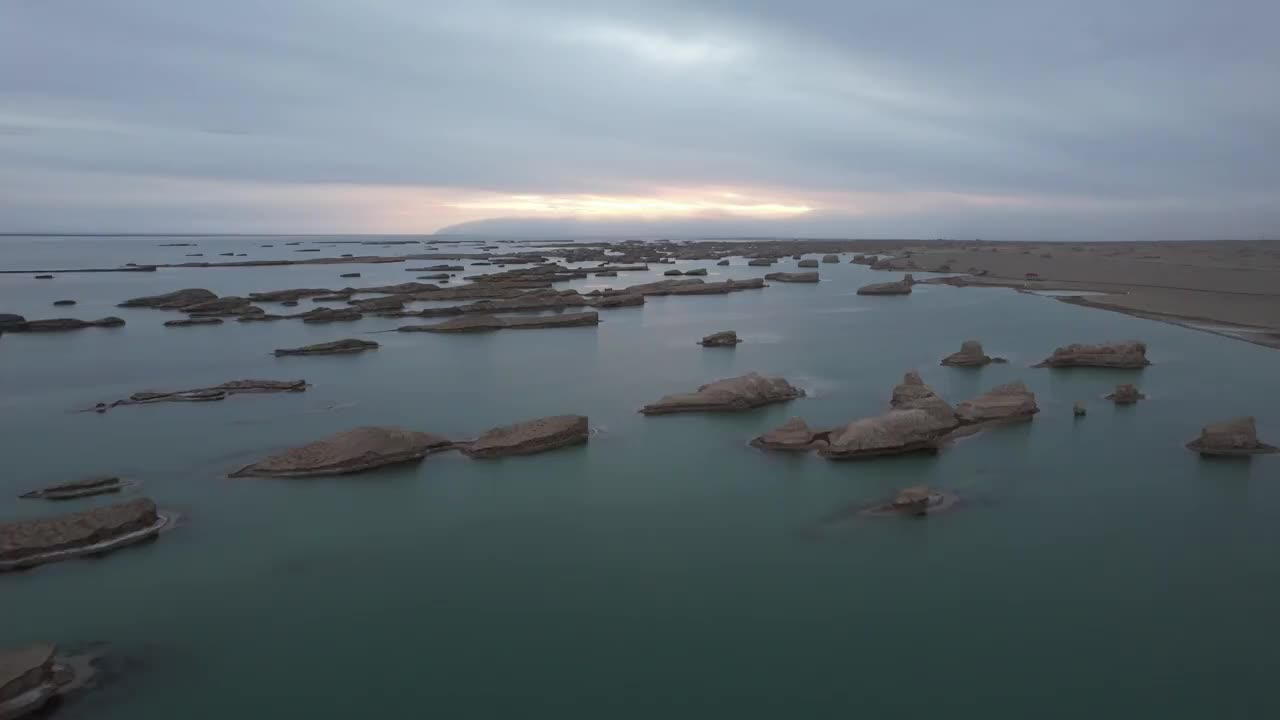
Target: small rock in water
<point>349,275</point>
<point>44,277</point>
<point>730,395</point>
<point>1233,437</point>
<point>1079,409</point>
<point>728,338</point>
<point>64,302</point>
<point>1126,394</point>
<point>348,452</point>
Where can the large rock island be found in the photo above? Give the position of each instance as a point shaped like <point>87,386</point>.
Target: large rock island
<point>27,543</point>
<point>532,436</point>
<point>1130,354</point>
<point>348,452</point>
<point>732,394</point>
<point>1236,437</point>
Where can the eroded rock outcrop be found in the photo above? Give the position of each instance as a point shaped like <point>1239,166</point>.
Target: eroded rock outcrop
<point>727,338</point>
<point>1130,354</point>
<point>1126,394</point>
<point>793,435</point>
<point>188,322</point>
<point>1231,438</point>
<point>830,258</point>
<point>529,437</point>
<point>477,322</point>
<point>337,347</point>
<point>790,277</point>
<point>729,395</point>
<point>9,321</point>
<point>176,300</point>
<point>348,452</point>
<point>1011,402</point>
<point>617,301</point>
<point>893,433</point>
<point>723,263</point>
<point>64,324</point>
<point>902,287</point>
<point>27,543</point>
<point>810,263</point>
<point>970,355</point>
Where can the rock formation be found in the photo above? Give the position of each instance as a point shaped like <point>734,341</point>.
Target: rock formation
<point>733,394</point>
<point>760,262</point>
<point>1079,410</point>
<point>77,489</point>
<point>477,322</point>
<point>671,273</point>
<point>63,303</point>
<point>970,355</point>
<point>1126,394</point>
<point>176,300</point>
<point>328,315</point>
<point>918,421</point>
<point>695,272</point>
<point>1011,402</point>
<point>62,324</point>
<point>723,263</point>
<point>617,301</point>
<point>810,263</point>
<point>533,436</point>
<point>30,677</point>
<point>336,347</point>
<point>795,434</point>
<point>727,338</point>
<point>1131,354</point>
<point>9,321</point>
<point>1231,438</point>
<point>830,258</point>
<point>789,277</point>
<point>902,287</point>
<point>348,452</point>
<point>27,543</point>
<point>349,275</point>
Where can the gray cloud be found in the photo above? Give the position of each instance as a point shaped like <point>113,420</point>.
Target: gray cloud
<point>1155,111</point>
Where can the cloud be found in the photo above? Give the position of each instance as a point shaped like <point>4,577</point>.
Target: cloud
<point>1063,108</point>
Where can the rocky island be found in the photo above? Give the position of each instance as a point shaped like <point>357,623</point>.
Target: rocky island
<point>736,394</point>
<point>348,452</point>
<point>28,543</point>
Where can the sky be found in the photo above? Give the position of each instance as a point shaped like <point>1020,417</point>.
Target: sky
<point>998,119</point>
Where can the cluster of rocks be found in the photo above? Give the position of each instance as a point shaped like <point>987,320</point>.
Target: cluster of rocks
<point>207,394</point>
<point>918,421</point>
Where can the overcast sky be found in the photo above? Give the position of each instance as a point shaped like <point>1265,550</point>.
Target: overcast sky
<point>1002,119</point>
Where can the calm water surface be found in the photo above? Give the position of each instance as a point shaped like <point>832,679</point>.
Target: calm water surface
<point>667,569</point>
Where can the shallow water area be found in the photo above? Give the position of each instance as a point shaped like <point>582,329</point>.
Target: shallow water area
<point>665,569</point>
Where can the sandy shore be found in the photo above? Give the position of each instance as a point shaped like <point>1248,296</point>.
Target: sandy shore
<point>1230,288</point>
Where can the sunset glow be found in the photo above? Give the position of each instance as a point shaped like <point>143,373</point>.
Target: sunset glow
<point>727,203</point>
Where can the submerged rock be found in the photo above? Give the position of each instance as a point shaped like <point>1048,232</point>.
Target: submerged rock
<point>532,436</point>
<point>27,543</point>
<point>209,394</point>
<point>970,355</point>
<point>728,338</point>
<point>795,434</point>
<point>902,287</point>
<point>29,679</point>
<point>187,322</point>
<point>1079,410</point>
<point>348,452</point>
<point>729,395</point>
<point>77,489</point>
<point>916,501</point>
<point>790,277</point>
<point>1011,402</point>
<point>483,323</point>
<point>1126,394</point>
<point>1130,354</point>
<point>1233,437</point>
<point>349,345</point>
<point>810,263</point>
<point>63,303</point>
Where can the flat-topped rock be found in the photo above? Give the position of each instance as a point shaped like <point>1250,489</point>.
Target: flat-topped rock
<point>64,324</point>
<point>350,345</point>
<point>729,395</point>
<point>790,277</point>
<point>902,287</point>
<point>970,355</point>
<point>27,543</point>
<point>793,435</point>
<point>830,258</point>
<point>353,451</point>
<point>378,304</point>
<point>188,322</point>
<point>320,316</point>
<point>1231,438</point>
<point>695,272</point>
<point>761,262</point>
<point>716,288</point>
<point>1126,394</point>
<point>727,338</point>
<point>617,301</point>
<point>534,300</point>
<point>63,303</point>
<point>176,300</point>
<point>77,489</point>
<point>1011,402</point>
<point>532,436</point>
<point>810,263</point>
<point>1131,354</point>
<point>894,433</point>
<point>476,322</point>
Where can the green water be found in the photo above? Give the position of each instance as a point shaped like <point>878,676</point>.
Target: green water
<point>1096,569</point>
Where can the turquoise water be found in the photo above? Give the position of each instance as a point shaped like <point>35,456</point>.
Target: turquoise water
<point>666,569</point>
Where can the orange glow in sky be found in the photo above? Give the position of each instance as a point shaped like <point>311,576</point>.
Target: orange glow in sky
<point>675,205</point>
